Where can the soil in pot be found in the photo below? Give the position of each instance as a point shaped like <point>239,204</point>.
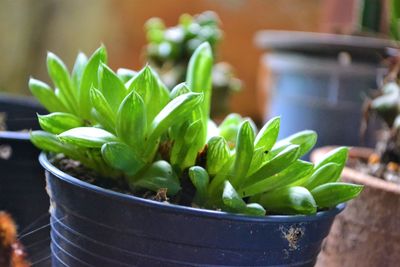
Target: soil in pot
<point>366,233</point>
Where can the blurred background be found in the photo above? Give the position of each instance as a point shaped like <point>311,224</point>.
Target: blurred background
<point>30,28</point>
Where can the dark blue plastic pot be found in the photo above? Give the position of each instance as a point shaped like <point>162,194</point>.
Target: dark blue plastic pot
<point>92,226</point>
<point>22,187</point>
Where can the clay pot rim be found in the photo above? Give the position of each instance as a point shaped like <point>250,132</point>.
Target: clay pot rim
<point>355,175</point>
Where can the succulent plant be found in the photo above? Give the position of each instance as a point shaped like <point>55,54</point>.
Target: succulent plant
<point>127,127</point>
<point>169,50</point>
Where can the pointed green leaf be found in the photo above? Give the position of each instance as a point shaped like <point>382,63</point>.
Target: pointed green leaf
<point>122,157</point>
<point>231,198</point>
<point>79,67</point>
<point>289,201</point>
<point>217,154</point>
<point>200,180</point>
<point>49,142</point>
<point>325,174</point>
<point>89,137</point>
<point>132,121</point>
<point>291,174</point>
<point>104,114</point>
<point>275,165</point>
<point>178,90</point>
<point>305,139</point>
<point>46,96</point>
<point>198,79</point>
<point>111,86</point>
<point>59,74</point>
<point>58,122</point>
<point>338,156</point>
<point>229,128</point>
<point>331,194</point>
<point>89,79</point>
<point>268,134</point>
<point>244,153</point>
<point>147,84</point>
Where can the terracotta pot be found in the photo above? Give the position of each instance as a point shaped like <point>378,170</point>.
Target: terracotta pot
<point>367,232</point>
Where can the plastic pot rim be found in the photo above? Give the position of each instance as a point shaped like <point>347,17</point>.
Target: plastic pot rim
<point>174,208</point>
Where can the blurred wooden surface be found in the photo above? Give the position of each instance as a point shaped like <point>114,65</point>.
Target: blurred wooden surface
<point>30,28</point>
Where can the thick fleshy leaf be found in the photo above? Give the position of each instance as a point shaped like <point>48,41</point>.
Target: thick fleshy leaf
<point>274,166</point>
<point>291,174</point>
<point>174,112</point>
<point>89,79</point>
<point>111,86</point>
<point>178,90</point>
<point>89,137</point>
<point>79,67</point>
<point>325,174</point>
<point>198,79</point>
<point>59,74</point>
<point>305,139</point>
<point>217,154</point>
<point>244,153</point>
<point>49,142</point>
<point>122,157</point>
<point>289,201</point>
<point>158,176</point>
<point>200,180</point>
<point>104,114</point>
<point>154,95</point>
<point>331,194</point>
<point>132,121</point>
<point>338,156</point>
<point>46,96</point>
<point>268,135</point>
<point>58,122</point>
<point>231,198</point>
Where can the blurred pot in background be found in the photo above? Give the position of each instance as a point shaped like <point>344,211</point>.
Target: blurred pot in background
<point>22,187</point>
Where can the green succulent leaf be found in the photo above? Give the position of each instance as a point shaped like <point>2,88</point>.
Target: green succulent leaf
<point>217,154</point>
<point>103,112</point>
<point>153,93</point>
<point>327,173</point>
<point>158,176</point>
<point>254,209</point>
<point>200,180</point>
<point>79,67</point>
<point>231,198</point>
<point>280,162</point>
<point>58,122</point>
<point>122,157</point>
<point>89,79</point>
<point>289,200</point>
<point>178,90</point>
<point>305,139</point>
<point>338,156</point>
<point>49,142</point>
<point>132,121</point>
<point>174,112</point>
<point>88,137</point>
<point>111,87</point>
<point>291,174</point>
<point>331,194</point>
<point>46,96</point>
<point>268,135</point>
<point>59,74</point>
<point>244,153</point>
<point>198,79</point>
